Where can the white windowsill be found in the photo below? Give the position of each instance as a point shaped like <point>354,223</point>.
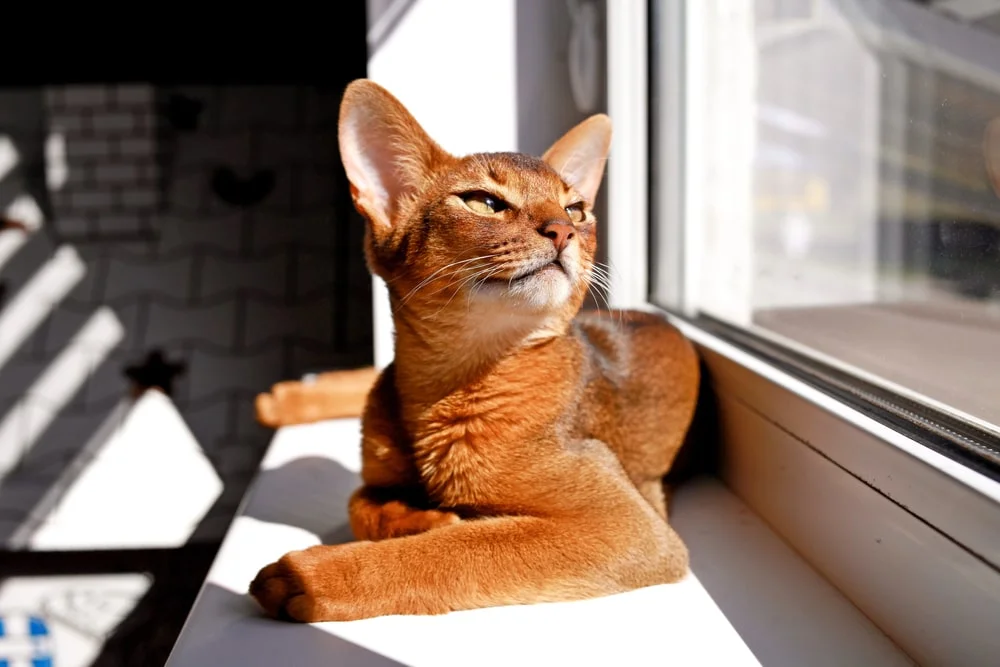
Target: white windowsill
<point>752,599</point>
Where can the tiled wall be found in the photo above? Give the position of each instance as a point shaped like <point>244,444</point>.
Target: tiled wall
<point>108,135</point>
<point>212,224</point>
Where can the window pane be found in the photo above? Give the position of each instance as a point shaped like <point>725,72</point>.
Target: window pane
<point>843,171</point>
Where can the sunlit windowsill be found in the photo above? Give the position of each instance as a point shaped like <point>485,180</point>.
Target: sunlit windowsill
<point>751,599</point>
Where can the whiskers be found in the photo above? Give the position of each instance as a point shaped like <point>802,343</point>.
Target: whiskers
<point>477,279</point>
<point>600,285</point>
<point>457,269</point>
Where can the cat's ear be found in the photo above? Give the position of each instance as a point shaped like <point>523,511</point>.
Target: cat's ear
<point>579,156</point>
<point>386,154</point>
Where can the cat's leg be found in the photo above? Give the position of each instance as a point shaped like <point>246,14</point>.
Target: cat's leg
<point>334,395</point>
<point>379,514</point>
<point>654,493</point>
<point>562,551</point>
<point>392,502</point>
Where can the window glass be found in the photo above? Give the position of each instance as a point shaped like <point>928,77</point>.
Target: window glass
<point>842,184</point>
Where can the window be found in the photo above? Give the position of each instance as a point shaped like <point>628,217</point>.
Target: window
<point>826,176</point>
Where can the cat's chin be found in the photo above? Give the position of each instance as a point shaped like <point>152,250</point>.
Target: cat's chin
<point>542,291</point>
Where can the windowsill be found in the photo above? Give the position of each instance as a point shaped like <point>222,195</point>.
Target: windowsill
<point>751,600</point>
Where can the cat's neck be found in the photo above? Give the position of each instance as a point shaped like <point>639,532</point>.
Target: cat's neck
<point>435,358</point>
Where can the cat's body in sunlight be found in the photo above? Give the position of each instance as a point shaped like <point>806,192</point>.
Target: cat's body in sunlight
<point>514,451</point>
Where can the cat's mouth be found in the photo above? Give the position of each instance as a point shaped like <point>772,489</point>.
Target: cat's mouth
<point>530,272</point>
<point>536,285</point>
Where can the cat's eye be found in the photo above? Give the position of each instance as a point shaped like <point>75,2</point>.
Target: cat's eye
<point>576,212</point>
<point>484,203</point>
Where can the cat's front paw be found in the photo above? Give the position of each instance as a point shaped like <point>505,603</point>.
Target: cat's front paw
<point>310,586</point>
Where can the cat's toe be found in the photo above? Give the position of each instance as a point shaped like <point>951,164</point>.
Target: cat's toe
<point>267,410</point>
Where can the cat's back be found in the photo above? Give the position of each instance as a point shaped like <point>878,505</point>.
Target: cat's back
<point>641,381</point>
<point>632,345</point>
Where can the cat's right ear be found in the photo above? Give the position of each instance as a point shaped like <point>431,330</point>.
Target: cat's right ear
<point>386,154</point>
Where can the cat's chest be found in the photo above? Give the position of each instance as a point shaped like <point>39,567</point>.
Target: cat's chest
<point>465,449</point>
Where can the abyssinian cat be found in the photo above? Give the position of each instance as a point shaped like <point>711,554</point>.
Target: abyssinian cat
<point>514,451</point>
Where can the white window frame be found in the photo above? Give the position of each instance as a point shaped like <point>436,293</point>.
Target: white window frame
<point>910,536</point>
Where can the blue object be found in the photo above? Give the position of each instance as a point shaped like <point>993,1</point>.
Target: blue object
<point>25,639</point>
<point>37,627</point>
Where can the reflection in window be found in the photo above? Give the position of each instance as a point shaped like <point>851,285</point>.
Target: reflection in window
<point>872,214</point>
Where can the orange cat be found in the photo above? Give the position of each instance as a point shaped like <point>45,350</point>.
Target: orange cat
<point>514,452</point>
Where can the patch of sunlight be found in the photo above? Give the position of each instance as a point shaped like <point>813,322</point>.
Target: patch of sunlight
<point>56,168</point>
<point>25,210</point>
<point>149,486</point>
<point>57,384</point>
<point>37,298</point>
<point>11,240</point>
<point>54,494</point>
<point>8,156</point>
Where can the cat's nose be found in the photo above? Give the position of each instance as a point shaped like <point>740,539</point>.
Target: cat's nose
<point>560,233</point>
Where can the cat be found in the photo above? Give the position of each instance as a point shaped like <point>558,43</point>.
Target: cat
<point>514,451</point>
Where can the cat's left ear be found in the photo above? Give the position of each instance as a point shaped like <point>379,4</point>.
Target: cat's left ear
<point>579,156</point>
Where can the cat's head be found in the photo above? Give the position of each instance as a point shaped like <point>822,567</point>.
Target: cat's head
<point>504,232</point>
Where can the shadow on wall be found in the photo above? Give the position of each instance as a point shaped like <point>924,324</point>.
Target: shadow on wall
<point>203,230</point>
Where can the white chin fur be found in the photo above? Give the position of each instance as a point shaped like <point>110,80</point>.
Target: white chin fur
<point>546,290</point>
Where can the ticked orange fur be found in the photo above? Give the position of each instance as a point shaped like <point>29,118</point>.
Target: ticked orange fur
<point>514,452</point>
